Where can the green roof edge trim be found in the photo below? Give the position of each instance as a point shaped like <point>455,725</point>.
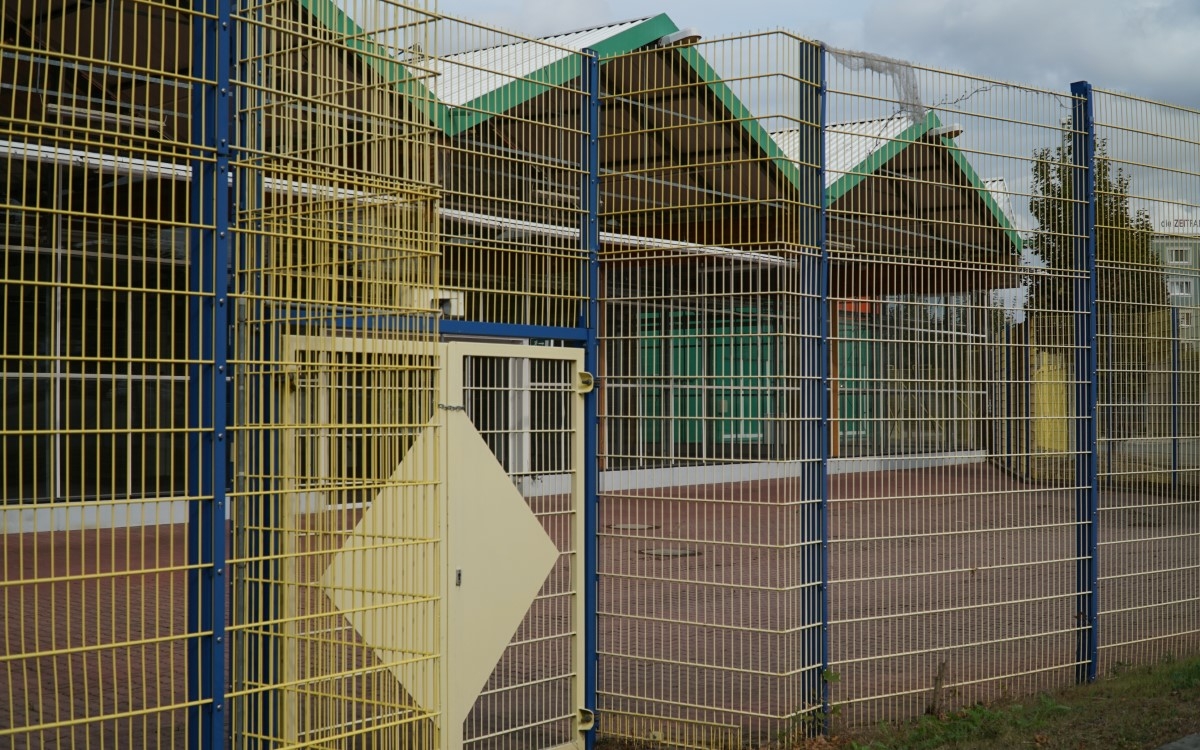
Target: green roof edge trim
<point>335,19</point>
<point>879,157</point>
<point>989,200</point>
<point>894,147</point>
<point>864,169</point>
<point>558,73</point>
<point>453,121</point>
<point>742,114</point>
<point>860,172</point>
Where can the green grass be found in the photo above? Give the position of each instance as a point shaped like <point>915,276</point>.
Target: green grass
<point>1133,708</point>
<point>977,726</point>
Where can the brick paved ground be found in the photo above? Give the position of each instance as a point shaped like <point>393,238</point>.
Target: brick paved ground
<point>949,586</point>
<point>123,586</point>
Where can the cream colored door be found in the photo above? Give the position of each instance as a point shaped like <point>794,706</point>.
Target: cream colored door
<point>358,581</point>
<point>514,418</point>
<point>464,605</point>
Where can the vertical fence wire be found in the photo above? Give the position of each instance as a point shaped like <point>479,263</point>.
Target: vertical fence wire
<point>96,285</point>
<point>710,575</point>
<point>953,309</point>
<point>1148,278</point>
<point>335,526</point>
<point>516,265</point>
<point>510,115</point>
<point>928,338</point>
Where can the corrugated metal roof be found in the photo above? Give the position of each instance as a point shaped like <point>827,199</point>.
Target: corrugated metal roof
<point>463,76</point>
<point>466,76</point>
<point>998,187</point>
<point>850,144</point>
<point>380,28</point>
<point>847,144</point>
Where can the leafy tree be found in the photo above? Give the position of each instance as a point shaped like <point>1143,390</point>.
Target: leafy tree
<point>1122,236</point>
<point>1133,322</point>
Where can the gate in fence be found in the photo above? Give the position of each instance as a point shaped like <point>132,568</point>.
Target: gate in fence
<point>375,378</point>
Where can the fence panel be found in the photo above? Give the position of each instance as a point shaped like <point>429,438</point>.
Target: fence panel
<point>512,219</point>
<point>335,554</point>
<point>955,299</point>
<point>525,405</point>
<point>710,366</point>
<point>899,377</point>
<point>1148,275</point>
<point>512,169</point>
<point>97,283</point>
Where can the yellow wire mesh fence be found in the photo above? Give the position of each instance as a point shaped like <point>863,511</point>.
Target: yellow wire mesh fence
<point>334,559</point>
<point>513,257</point>
<point>94,161</point>
<point>1148,278</point>
<point>510,149</point>
<point>852,419</point>
<point>957,299</point>
<point>709,531</point>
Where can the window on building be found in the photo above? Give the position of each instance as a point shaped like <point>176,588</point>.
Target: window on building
<point>695,382</point>
<point>522,408</point>
<point>95,347</point>
<point>1185,319</point>
<point>1179,254</point>
<point>1180,287</point>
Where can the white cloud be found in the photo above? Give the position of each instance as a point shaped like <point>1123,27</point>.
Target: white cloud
<point>1149,47</point>
<point>533,17</point>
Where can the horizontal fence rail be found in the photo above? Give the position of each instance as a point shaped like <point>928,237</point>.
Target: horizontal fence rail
<point>956,294</point>
<point>885,400</point>
<point>1148,350</point>
<point>100,597</point>
<point>711,506</point>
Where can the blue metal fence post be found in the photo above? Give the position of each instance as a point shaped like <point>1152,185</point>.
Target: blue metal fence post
<point>824,405</point>
<point>1083,152</point>
<point>208,354</point>
<point>591,362</point>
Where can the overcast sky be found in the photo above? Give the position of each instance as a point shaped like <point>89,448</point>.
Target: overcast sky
<point>1147,47</point>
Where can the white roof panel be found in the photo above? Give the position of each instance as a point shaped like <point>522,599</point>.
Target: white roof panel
<point>847,144</point>
<point>466,76</point>
<point>850,144</point>
<point>998,187</point>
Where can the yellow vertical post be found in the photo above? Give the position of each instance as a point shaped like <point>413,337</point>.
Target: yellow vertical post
<point>336,530</point>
